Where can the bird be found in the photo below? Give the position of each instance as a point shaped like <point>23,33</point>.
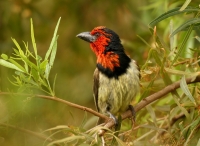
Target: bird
<point>116,79</point>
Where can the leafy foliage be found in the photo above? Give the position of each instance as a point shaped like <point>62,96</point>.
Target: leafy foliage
<point>32,74</point>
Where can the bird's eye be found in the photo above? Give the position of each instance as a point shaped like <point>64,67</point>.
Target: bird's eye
<point>97,34</point>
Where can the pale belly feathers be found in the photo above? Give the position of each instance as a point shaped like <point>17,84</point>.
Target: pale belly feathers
<point>114,95</point>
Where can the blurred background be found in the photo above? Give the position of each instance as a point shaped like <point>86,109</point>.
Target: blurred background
<point>75,62</point>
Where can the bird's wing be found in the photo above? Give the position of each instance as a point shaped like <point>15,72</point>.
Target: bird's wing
<point>96,87</point>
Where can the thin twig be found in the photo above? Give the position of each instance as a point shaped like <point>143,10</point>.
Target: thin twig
<point>61,101</point>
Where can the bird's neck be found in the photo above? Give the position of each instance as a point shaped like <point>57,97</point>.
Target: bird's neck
<point>113,64</point>
<point>108,60</point>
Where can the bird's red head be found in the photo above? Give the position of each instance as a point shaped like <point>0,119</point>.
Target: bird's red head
<point>106,44</point>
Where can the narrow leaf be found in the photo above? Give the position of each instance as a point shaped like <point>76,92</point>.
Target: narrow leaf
<point>33,39</point>
<point>17,64</point>
<point>4,56</point>
<point>182,44</point>
<point>53,40</point>
<point>9,65</point>
<point>185,25</point>
<point>53,53</point>
<point>187,2</point>
<point>47,71</point>
<point>185,89</point>
<point>18,47</point>
<point>170,13</point>
<point>35,74</point>
<point>43,66</point>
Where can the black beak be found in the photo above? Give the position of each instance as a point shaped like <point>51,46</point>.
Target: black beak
<point>86,36</point>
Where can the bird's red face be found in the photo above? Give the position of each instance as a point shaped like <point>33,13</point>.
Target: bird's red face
<point>106,44</point>
<point>99,40</point>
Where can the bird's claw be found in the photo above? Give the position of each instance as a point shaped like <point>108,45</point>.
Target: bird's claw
<point>133,111</point>
<point>114,118</point>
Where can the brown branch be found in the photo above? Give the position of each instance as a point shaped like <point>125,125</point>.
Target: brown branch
<point>61,101</point>
<point>150,99</point>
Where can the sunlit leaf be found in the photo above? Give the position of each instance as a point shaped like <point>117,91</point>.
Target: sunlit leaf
<point>57,128</point>
<point>20,52</point>
<point>187,2</point>
<point>33,39</point>
<point>43,66</point>
<point>4,56</point>
<point>17,64</point>
<point>47,70</point>
<point>53,40</point>
<point>9,65</point>
<point>53,53</point>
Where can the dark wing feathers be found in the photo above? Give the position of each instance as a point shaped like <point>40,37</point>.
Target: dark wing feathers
<point>96,87</point>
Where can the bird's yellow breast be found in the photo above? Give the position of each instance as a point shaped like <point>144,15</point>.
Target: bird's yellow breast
<point>116,94</point>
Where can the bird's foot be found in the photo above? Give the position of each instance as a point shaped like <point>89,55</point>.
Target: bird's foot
<point>113,117</point>
<point>117,121</point>
<point>133,111</point>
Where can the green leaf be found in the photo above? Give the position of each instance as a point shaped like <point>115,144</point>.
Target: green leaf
<point>182,44</point>
<point>185,89</point>
<point>53,53</point>
<point>170,13</point>
<point>18,47</point>
<point>185,25</point>
<point>4,56</point>
<point>35,74</point>
<point>17,64</point>
<point>43,66</point>
<point>33,39</point>
<point>9,65</point>
<point>47,71</point>
<point>52,41</point>
<point>29,63</point>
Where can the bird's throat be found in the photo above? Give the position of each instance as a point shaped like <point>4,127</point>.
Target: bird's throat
<point>109,60</point>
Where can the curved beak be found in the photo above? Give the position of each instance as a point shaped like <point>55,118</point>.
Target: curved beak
<point>86,36</point>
